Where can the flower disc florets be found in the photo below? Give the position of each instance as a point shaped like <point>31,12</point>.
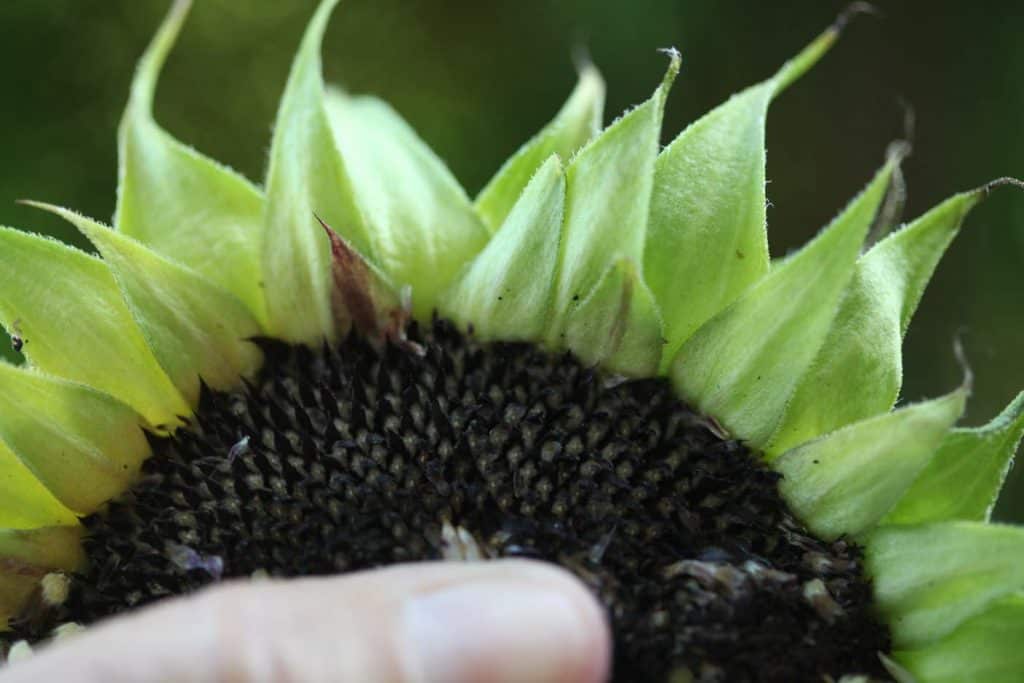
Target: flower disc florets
<point>351,458</point>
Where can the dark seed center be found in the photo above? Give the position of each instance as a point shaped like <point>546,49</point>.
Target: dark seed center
<point>351,458</point>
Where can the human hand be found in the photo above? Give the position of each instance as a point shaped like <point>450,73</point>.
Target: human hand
<point>446,622</point>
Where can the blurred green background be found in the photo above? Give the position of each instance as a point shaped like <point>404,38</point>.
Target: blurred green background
<point>476,79</point>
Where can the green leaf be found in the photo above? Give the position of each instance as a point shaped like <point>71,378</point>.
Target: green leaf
<point>843,483</point>
<point>196,329</point>
<point>985,648</point>
<point>306,176</point>
<point>81,444</point>
<point>179,203</point>
<point>505,292</point>
<point>575,125</point>
<point>26,556</point>
<point>68,308</point>
<point>608,190</point>
<point>858,370</point>
<point>963,480</point>
<point>931,578</point>
<point>628,341</point>
<point>706,241</point>
<point>423,228</point>
<point>24,502</point>
<point>743,365</point>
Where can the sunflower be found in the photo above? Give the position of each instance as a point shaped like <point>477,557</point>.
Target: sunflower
<point>595,362</point>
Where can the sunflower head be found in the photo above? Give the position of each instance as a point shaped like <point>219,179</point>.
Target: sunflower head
<point>594,362</point>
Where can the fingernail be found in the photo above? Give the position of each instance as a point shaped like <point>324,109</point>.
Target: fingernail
<point>504,631</point>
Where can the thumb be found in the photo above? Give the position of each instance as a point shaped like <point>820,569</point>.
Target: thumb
<point>447,622</point>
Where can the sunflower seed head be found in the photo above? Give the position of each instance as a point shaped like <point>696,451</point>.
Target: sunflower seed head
<point>369,454</point>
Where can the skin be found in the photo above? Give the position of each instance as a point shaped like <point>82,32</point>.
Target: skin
<point>488,622</point>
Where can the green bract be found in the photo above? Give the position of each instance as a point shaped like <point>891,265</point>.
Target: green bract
<point>179,203</point>
<point>709,236</point>
<point>642,260</point>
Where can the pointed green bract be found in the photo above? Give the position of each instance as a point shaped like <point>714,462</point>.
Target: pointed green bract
<point>608,189</point>
<point>858,371</point>
<point>617,326</point>
<point>931,578</point>
<point>68,308</point>
<point>963,480</point>
<point>24,502</point>
<point>706,242</point>
<point>196,329</point>
<point>575,125</point>
<point>422,227</point>
<point>84,446</point>
<point>505,293</point>
<point>181,204</point>
<point>985,648</point>
<point>743,365</point>
<point>843,483</point>
<point>306,177</point>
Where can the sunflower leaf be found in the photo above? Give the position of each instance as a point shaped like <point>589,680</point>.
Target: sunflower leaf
<point>963,480</point>
<point>707,214</point>
<point>628,342</point>
<point>930,578</point>
<point>985,648</point>
<point>575,125</point>
<point>24,502</point>
<point>307,176</point>
<point>743,365</point>
<point>423,228</point>
<point>67,307</point>
<point>505,292</point>
<point>196,329</point>
<point>846,481</point>
<point>858,370</point>
<point>181,204</point>
<point>81,444</point>
<point>608,190</point>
